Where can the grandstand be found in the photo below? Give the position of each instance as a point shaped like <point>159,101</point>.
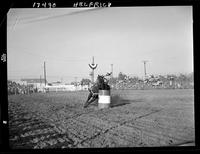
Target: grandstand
<point>181,81</point>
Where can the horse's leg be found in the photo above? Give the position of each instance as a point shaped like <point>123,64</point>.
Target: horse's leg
<point>108,87</point>
<point>94,97</point>
<point>89,96</point>
<point>92,100</point>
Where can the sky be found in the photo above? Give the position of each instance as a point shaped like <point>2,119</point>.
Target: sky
<point>67,38</point>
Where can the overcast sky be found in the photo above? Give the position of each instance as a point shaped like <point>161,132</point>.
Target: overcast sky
<point>67,38</point>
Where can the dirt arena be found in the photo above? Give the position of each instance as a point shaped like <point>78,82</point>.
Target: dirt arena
<point>136,118</point>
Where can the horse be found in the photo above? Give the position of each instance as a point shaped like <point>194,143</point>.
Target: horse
<point>100,84</point>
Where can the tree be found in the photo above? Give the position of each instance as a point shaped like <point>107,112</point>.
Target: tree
<point>85,81</point>
<point>122,76</point>
<point>134,80</point>
<point>113,80</point>
<point>191,77</point>
<point>73,83</point>
<point>183,78</point>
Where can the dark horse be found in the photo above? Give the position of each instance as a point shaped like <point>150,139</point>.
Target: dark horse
<point>100,84</point>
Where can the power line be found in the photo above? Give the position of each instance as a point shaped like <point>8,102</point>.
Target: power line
<point>61,15</point>
<point>66,59</point>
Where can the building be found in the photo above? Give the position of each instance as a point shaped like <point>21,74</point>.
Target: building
<point>36,83</point>
<point>54,86</point>
<point>57,88</point>
<point>69,87</point>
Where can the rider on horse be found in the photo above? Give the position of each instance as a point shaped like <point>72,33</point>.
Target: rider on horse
<point>100,84</point>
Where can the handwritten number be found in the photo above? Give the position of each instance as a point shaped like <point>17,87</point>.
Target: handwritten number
<point>54,4</point>
<point>38,4</point>
<point>44,5</point>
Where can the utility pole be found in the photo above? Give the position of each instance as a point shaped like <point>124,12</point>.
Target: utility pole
<point>40,81</point>
<point>76,83</point>
<point>44,73</point>
<point>75,80</point>
<point>145,73</point>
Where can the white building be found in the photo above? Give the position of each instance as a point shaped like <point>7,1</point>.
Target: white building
<point>36,83</point>
<point>61,88</point>
<point>70,87</point>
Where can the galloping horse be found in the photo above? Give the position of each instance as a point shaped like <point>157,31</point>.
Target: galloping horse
<point>100,84</point>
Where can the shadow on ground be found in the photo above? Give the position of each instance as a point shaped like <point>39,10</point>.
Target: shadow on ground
<point>116,100</point>
<point>95,103</point>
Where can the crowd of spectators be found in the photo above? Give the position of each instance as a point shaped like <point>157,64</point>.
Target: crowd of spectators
<point>122,81</point>
<point>181,81</point>
<point>16,88</point>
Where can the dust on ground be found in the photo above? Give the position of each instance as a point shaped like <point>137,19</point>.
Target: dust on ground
<point>135,119</point>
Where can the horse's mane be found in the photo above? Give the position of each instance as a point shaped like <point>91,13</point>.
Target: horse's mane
<point>101,83</point>
<point>100,79</point>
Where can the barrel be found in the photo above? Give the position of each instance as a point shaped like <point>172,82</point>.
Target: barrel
<point>104,99</point>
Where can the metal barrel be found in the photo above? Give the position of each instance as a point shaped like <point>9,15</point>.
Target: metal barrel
<point>104,99</point>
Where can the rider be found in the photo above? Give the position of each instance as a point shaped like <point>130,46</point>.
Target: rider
<point>94,89</point>
<point>107,75</point>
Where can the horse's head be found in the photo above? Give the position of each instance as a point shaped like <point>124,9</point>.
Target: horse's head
<point>100,79</point>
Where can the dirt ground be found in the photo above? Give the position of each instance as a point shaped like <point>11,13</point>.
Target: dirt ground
<point>136,118</point>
